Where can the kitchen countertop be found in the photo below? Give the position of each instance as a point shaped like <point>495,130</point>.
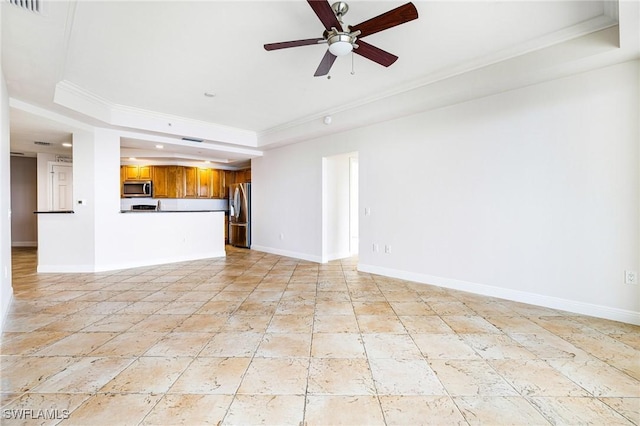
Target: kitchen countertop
<point>171,211</point>
<point>53,211</point>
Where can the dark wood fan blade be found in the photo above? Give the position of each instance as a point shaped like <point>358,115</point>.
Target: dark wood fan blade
<point>325,13</point>
<point>325,64</point>
<point>294,43</point>
<point>397,16</point>
<point>376,54</point>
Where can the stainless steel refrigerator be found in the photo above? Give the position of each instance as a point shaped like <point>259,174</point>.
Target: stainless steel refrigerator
<point>240,215</point>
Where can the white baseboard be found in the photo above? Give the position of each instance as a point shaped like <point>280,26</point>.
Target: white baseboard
<point>336,256</point>
<point>286,253</point>
<point>124,265</point>
<point>5,310</point>
<point>24,244</point>
<point>616,314</point>
<point>66,269</point>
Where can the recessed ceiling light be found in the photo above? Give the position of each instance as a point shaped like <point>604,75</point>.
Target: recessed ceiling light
<point>132,158</point>
<point>67,145</point>
<point>159,146</point>
<point>209,94</point>
<point>207,162</point>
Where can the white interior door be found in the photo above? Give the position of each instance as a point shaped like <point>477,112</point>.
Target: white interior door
<point>62,187</point>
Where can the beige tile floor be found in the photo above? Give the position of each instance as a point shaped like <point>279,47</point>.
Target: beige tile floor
<point>263,339</point>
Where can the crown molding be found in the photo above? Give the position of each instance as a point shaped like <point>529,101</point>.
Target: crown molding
<point>78,99</point>
<point>50,115</point>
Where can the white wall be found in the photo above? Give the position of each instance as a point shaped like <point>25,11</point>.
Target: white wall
<point>287,198</point>
<point>530,195</point>
<point>24,224</point>
<point>6,291</point>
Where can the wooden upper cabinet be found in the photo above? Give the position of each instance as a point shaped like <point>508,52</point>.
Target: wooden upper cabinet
<point>229,179</point>
<point>185,182</point>
<point>242,176</point>
<point>204,183</point>
<point>217,184</point>
<point>137,172</point>
<point>130,172</point>
<point>175,180</point>
<point>168,182</point>
<point>160,182</point>
<point>190,182</point>
<point>144,172</point>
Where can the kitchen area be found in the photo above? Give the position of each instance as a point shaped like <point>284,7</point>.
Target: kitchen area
<point>175,209</point>
<point>174,188</point>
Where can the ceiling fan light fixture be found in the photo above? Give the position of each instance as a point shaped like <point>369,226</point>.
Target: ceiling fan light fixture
<point>340,44</point>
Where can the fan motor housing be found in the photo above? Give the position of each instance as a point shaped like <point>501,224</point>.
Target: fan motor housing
<point>340,8</point>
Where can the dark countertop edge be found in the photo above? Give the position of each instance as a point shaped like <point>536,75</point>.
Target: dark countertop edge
<point>172,211</point>
<point>54,211</point>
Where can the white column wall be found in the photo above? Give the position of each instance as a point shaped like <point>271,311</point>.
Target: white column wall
<point>108,235</point>
<point>6,290</point>
<point>66,242</point>
<point>531,195</point>
<point>98,237</point>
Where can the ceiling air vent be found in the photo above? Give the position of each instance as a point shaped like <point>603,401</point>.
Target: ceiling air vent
<point>31,5</point>
<point>192,140</point>
<point>16,153</point>
<point>42,143</point>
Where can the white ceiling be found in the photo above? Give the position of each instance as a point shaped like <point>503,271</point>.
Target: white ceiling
<point>144,67</point>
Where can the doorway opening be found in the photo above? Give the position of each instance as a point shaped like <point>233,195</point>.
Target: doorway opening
<point>340,227</point>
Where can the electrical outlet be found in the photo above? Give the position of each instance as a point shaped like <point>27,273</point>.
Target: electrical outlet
<point>630,277</point>
<point>376,249</point>
<point>282,236</point>
<point>387,248</point>
<point>367,211</point>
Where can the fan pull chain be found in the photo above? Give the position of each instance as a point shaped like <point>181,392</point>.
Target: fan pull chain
<point>353,70</point>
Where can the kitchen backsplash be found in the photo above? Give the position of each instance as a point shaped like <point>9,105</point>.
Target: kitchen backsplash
<point>176,203</point>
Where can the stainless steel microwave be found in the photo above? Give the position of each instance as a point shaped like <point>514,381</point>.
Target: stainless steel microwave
<point>136,188</point>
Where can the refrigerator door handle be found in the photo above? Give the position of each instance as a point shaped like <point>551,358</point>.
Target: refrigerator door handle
<point>236,203</point>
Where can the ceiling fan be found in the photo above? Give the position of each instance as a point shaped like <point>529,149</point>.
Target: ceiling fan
<point>342,38</point>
